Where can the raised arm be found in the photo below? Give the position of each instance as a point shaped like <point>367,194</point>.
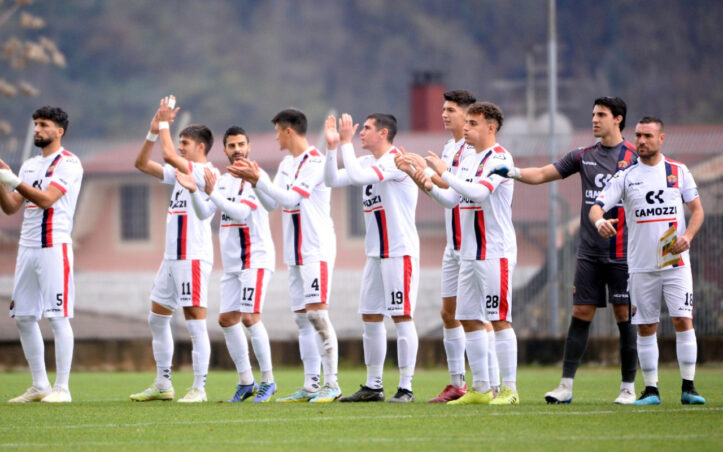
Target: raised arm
<point>166,114</point>
<point>143,160</point>
<point>333,176</point>
<point>532,176</point>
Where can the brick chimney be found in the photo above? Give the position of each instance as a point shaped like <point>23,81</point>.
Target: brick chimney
<point>426,100</point>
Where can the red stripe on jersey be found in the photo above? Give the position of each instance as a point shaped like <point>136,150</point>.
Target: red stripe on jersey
<point>196,282</point>
<point>301,191</point>
<point>379,173</point>
<point>46,228</point>
<point>249,203</point>
<point>489,186</point>
<point>456,229</point>
<point>259,289</point>
<point>51,169</point>
<point>407,285</point>
<point>504,284</point>
<point>620,234</point>
<point>58,186</point>
<point>296,221</point>
<point>245,241</point>
<point>480,234</point>
<point>655,221</point>
<point>499,149</point>
<point>181,240</point>
<point>315,153</point>
<point>381,219</point>
<point>66,279</point>
<point>324,276</point>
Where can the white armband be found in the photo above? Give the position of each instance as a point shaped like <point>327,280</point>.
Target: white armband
<point>152,137</point>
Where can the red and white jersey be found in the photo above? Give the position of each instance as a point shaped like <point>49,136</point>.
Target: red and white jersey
<point>308,228</point>
<point>487,231</point>
<point>389,209</point>
<point>187,236</point>
<point>453,154</point>
<point>653,197</point>
<point>43,228</point>
<point>246,244</point>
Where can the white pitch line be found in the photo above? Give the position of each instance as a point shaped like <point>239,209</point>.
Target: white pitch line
<point>477,414</point>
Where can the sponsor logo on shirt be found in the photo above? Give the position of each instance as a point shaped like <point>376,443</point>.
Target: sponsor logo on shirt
<point>587,162</point>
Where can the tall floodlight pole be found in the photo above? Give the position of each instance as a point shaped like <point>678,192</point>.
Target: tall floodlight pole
<point>553,273</point>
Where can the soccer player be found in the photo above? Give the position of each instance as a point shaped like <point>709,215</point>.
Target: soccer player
<point>601,262</point>
<point>309,248</point>
<point>48,187</point>
<point>391,273</point>
<point>488,252</point>
<point>653,192</point>
<point>454,152</point>
<point>247,252</point>
<point>182,279</point>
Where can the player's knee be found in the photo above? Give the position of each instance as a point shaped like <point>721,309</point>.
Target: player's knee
<point>584,311</point>
<point>249,320</point>
<point>23,321</point>
<point>448,318</point>
<point>227,319</point>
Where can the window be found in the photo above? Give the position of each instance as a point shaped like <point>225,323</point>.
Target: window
<point>134,215</point>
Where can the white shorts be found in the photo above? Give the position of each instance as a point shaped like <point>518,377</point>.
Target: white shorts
<point>44,283</point>
<point>648,289</point>
<point>310,283</point>
<point>450,272</point>
<point>245,291</point>
<point>181,283</point>
<point>390,286</point>
<point>485,290</point>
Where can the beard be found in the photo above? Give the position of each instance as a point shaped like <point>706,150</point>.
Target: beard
<point>42,142</point>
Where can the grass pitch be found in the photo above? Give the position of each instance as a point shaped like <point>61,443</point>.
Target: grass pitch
<point>102,417</point>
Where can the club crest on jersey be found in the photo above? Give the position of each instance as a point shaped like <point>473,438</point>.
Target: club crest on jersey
<point>672,179</point>
<point>622,164</point>
<point>633,310</point>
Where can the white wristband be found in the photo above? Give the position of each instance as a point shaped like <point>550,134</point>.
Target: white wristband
<point>429,172</point>
<point>152,137</point>
<point>163,125</point>
<point>599,222</point>
<point>514,173</point>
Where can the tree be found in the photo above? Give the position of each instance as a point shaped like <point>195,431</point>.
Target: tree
<point>23,48</point>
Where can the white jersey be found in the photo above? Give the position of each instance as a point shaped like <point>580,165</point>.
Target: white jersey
<point>487,231</point>
<point>308,229</point>
<point>389,209</point>
<point>453,154</point>
<point>653,197</point>
<point>246,244</point>
<point>187,236</point>
<point>43,228</point>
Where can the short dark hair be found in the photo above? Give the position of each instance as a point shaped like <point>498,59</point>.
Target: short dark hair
<point>461,97</point>
<point>200,134</point>
<point>616,105</point>
<point>651,120</point>
<point>55,114</point>
<point>490,111</point>
<point>292,118</point>
<point>235,130</point>
<point>385,121</point>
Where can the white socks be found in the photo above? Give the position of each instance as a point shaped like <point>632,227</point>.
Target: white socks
<point>262,350</point>
<point>162,348</point>
<point>34,349</point>
<point>63,349</point>
<point>309,352</point>
<point>454,347</point>
<point>375,352</point>
<point>686,349</point>
<point>327,343</point>
<point>407,346</point>
<point>492,363</point>
<point>648,357</point>
<point>239,351</point>
<point>476,345</point>
<point>506,342</point>
<point>201,351</point>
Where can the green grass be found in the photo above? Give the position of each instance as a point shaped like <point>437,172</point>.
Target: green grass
<point>101,416</point>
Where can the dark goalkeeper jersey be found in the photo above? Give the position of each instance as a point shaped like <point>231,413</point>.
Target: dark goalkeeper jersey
<point>596,165</point>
